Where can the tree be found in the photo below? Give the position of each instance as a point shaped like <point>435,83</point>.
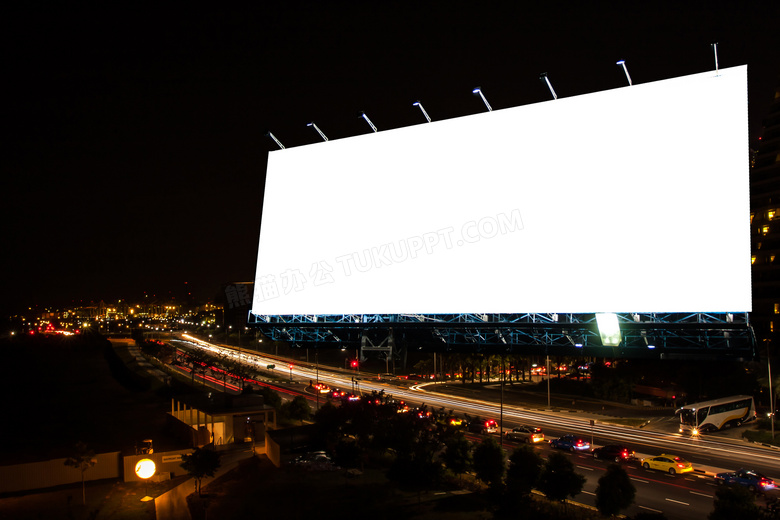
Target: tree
<point>271,397</point>
<point>558,479</point>
<point>457,455</point>
<point>525,467</point>
<point>199,464</point>
<point>298,409</point>
<point>615,491</point>
<point>646,515</point>
<point>734,502</point>
<point>489,463</point>
<point>82,459</point>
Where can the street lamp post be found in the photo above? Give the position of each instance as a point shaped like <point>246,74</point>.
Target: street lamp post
<point>501,415</point>
<point>771,391</point>
<point>548,381</point>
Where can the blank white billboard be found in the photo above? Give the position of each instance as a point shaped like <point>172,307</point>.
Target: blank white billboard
<point>629,200</point>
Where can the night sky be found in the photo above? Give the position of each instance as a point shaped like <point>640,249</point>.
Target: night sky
<point>135,146</point>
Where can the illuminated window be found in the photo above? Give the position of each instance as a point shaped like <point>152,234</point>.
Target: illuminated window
<point>753,259</point>
<point>758,246</point>
<point>770,214</point>
<point>751,218</point>
<point>764,230</point>
<point>777,308</point>
<point>771,258</point>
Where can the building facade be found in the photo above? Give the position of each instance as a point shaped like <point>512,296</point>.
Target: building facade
<point>765,226</point>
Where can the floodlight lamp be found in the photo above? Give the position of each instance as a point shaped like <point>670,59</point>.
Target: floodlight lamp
<point>609,329</point>
<point>478,90</point>
<point>418,104</point>
<point>549,85</point>
<point>715,50</point>
<point>364,116</point>
<point>318,130</point>
<point>272,136</point>
<point>625,69</point>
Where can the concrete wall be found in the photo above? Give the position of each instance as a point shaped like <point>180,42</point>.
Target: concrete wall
<point>168,465</point>
<point>54,472</point>
<point>273,451</point>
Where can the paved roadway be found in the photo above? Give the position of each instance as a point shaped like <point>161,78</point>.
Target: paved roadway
<point>677,496</point>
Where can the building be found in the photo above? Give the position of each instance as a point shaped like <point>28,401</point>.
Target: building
<point>765,226</point>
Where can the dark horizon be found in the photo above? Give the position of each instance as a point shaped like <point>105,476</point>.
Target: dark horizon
<point>138,146</point>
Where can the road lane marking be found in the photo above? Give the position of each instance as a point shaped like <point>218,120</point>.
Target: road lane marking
<point>678,502</point>
<point>651,509</point>
<point>639,480</point>
<point>700,494</point>
<point>585,467</point>
<point>589,493</point>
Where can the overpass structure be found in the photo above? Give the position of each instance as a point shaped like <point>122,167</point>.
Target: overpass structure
<point>657,336</point>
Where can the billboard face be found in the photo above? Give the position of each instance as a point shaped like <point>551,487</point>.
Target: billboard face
<point>629,200</point>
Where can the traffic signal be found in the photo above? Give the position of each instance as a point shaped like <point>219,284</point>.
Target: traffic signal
<point>354,363</point>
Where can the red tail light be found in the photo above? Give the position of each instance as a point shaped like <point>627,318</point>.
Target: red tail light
<point>681,465</point>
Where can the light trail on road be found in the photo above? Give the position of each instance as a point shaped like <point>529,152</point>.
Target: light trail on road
<point>746,454</point>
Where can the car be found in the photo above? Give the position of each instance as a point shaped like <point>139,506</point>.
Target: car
<point>335,394</point>
<point>615,452</point>
<point>455,422</point>
<point>483,426</point>
<point>311,457</point>
<point>672,464</point>
<point>751,479</point>
<point>525,434</point>
<point>321,388</point>
<point>571,443</point>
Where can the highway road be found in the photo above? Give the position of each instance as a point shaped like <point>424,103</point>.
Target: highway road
<point>677,496</point>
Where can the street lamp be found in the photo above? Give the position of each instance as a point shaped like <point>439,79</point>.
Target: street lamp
<point>418,104</point>
<point>771,389</point>
<point>478,90</point>
<point>145,469</point>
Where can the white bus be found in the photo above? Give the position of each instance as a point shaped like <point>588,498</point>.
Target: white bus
<point>714,415</point>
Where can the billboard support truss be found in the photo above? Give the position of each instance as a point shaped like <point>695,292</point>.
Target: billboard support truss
<point>645,335</point>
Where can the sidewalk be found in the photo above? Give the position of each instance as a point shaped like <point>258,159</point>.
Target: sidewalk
<point>173,504</point>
